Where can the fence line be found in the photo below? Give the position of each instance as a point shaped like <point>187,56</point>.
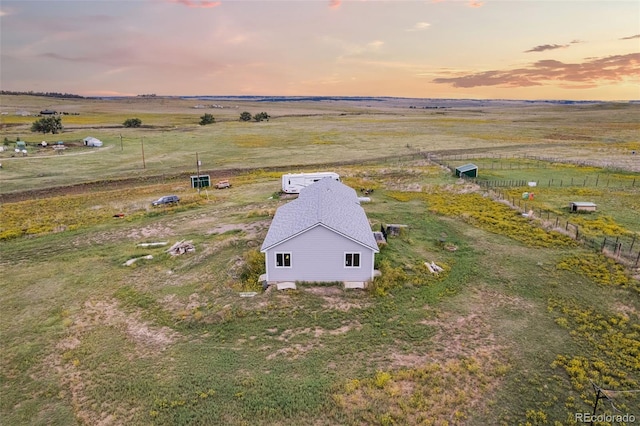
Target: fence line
<point>620,247</point>
<point>586,182</point>
<point>472,156</point>
<point>616,248</point>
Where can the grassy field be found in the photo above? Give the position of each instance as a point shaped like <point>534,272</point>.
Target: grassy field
<point>298,134</point>
<point>515,330</point>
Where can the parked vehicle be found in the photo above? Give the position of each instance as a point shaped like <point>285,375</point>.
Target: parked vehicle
<point>223,184</point>
<point>292,183</point>
<point>167,199</point>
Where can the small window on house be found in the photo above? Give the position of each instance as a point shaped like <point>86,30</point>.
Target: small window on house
<point>283,260</point>
<point>352,260</point>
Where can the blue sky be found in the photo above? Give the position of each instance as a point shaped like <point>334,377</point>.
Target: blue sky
<point>578,49</point>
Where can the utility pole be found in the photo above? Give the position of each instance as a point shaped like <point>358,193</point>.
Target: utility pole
<point>121,145</point>
<point>599,395</point>
<point>198,172</point>
<point>144,165</point>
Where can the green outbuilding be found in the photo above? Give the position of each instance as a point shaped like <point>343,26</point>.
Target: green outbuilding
<point>468,170</point>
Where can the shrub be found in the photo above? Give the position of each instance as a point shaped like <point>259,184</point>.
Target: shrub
<point>252,268</point>
<point>207,119</point>
<point>132,122</point>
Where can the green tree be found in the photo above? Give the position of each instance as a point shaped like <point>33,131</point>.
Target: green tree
<point>245,116</point>
<point>207,119</point>
<point>261,116</point>
<point>47,125</point>
<point>132,122</point>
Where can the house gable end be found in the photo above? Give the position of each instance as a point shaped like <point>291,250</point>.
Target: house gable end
<point>298,234</point>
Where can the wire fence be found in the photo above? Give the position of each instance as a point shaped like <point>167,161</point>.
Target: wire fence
<point>489,161</point>
<point>523,161</point>
<point>624,248</point>
<point>560,183</point>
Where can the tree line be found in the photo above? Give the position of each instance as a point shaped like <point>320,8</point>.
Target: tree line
<point>48,94</point>
<point>53,124</point>
<point>244,116</point>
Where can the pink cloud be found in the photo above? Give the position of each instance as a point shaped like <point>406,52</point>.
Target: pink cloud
<point>202,4</point>
<point>334,4</point>
<point>610,68</point>
<point>475,3</point>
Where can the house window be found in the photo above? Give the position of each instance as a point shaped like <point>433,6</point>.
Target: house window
<point>283,260</point>
<point>352,260</point>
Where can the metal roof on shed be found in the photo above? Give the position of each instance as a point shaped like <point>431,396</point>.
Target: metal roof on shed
<point>466,167</point>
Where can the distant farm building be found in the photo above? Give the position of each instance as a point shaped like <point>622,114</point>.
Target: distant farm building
<point>322,236</point>
<point>48,112</point>
<point>582,206</point>
<point>91,141</point>
<point>468,170</point>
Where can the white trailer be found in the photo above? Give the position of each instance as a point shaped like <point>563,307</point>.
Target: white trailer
<point>292,183</point>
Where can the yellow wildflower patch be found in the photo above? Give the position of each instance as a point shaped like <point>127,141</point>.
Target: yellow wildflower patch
<point>613,358</point>
<point>488,214</point>
<point>600,269</point>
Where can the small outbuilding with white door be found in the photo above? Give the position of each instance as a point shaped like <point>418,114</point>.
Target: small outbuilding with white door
<point>91,141</point>
<point>582,206</point>
<point>321,236</point>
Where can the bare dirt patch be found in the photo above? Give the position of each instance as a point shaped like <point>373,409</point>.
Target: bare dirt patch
<point>627,310</point>
<point>151,231</point>
<point>296,350</point>
<point>75,380</point>
<point>334,298</point>
<point>148,340</point>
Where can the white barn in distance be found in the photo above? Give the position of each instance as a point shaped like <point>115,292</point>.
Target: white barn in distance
<point>322,236</point>
<point>91,141</point>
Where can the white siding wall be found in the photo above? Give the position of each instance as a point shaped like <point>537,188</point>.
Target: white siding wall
<point>318,255</point>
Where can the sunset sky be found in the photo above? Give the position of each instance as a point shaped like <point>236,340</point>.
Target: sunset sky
<point>508,49</point>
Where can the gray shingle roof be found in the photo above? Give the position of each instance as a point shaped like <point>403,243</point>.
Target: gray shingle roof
<point>326,202</point>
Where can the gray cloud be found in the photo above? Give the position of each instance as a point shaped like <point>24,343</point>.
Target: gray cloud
<point>545,47</point>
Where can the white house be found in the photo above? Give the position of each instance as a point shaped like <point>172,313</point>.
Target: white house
<point>323,235</point>
<point>91,141</point>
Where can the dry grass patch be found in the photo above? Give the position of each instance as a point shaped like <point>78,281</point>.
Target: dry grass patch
<point>77,379</point>
<point>447,383</point>
<point>334,299</point>
<point>297,350</point>
<point>148,340</point>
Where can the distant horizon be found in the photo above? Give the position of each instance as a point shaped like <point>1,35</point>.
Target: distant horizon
<point>56,94</point>
<point>444,49</point>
